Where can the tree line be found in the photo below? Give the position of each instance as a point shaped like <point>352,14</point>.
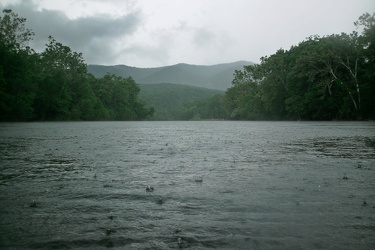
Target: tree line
<point>55,84</point>
<point>321,78</point>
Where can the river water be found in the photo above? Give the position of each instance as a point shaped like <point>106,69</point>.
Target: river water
<point>217,185</point>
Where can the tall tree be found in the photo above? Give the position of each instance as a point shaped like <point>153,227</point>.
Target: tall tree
<point>366,40</point>
<point>244,99</point>
<point>17,61</point>
<point>274,85</point>
<point>62,80</point>
<point>13,32</point>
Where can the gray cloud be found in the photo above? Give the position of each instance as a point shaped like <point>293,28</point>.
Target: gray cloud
<point>156,33</point>
<point>94,36</point>
<point>143,54</point>
<point>203,37</point>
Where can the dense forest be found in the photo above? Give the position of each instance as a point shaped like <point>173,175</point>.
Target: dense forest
<point>55,84</point>
<point>322,78</point>
<point>170,100</point>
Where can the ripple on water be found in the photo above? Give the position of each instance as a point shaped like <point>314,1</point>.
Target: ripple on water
<point>228,185</point>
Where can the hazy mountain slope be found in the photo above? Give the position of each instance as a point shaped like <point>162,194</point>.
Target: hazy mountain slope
<point>174,74</point>
<point>168,99</point>
<point>121,70</point>
<point>213,77</point>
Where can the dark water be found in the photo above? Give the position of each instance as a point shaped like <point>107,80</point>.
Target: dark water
<point>228,185</point>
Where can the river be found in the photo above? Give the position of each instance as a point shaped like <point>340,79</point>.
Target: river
<point>213,185</point>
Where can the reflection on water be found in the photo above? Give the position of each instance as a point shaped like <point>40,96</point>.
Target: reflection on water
<point>235,185</point>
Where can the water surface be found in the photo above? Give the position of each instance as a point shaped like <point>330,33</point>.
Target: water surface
<point>228,185</point>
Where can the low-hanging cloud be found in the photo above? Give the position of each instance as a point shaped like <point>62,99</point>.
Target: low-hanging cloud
<point>94,36</point>
<point>203,37</point>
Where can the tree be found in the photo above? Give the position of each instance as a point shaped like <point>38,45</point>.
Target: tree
<point>274,87</point>
<point>13,33</point>
<point>120,97</point>
<point>211,108</point>
<point>62,82</point>
<point>244,98</point>
<point>55,84</point>
<point>329,77</point>
<point>367,71</point>
<point>332,63</point>
<point>17,61</point>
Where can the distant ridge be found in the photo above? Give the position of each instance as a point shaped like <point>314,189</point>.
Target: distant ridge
<point>217,76</point>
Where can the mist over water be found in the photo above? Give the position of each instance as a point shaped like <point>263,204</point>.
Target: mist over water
<point>228,185</point>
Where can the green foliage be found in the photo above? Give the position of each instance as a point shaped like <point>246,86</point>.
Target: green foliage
<point>322,78</point>
<point>212,108</point>
<point>367,71</point>
<point>170,100</point>
<point>17,65</point>
<point>119,97</point>
<point>13,33</point>
<point>55,84</point>
<point>244,99</point>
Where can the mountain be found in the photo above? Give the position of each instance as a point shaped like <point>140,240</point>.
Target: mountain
<point>217,76</point>
<point>169,99</point>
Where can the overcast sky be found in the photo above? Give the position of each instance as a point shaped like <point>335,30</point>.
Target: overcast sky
<point>151,33</point>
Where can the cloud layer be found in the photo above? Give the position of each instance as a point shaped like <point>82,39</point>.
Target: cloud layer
<point>147,33</point>
<point>95,36</point>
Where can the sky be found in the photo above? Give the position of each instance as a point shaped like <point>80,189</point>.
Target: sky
<point>154,33</point>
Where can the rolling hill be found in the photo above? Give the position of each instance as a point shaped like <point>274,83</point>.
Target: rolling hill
<point>217,77</point>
